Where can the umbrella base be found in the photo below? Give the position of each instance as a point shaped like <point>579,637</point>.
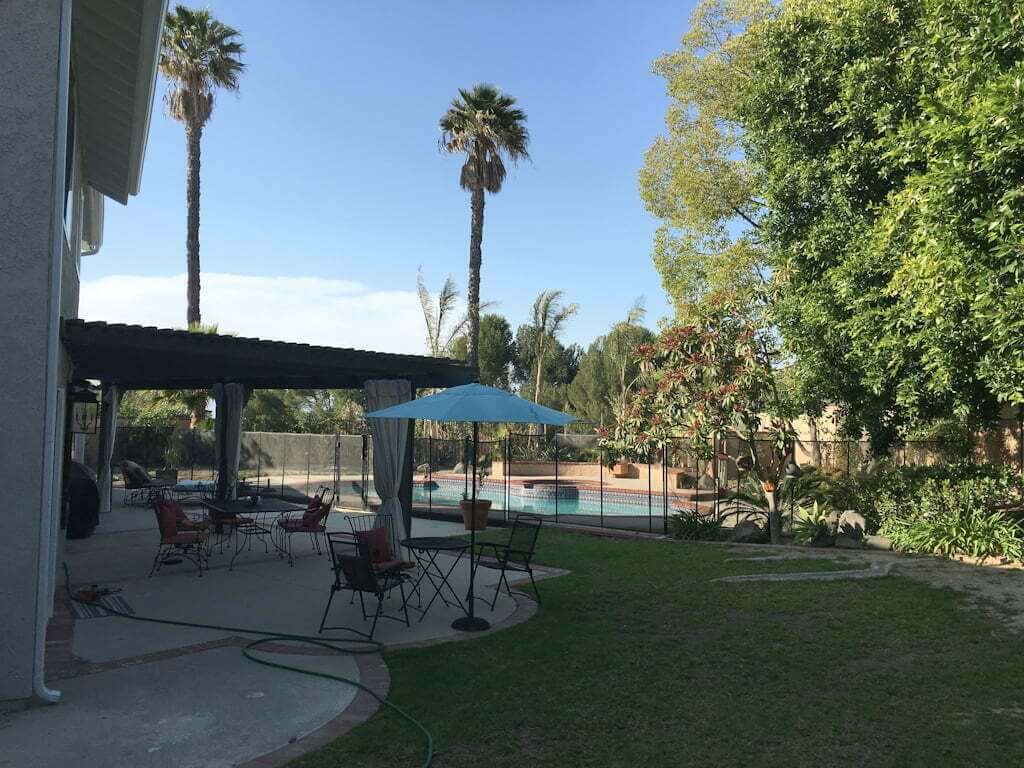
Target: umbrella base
<point>471,624</point>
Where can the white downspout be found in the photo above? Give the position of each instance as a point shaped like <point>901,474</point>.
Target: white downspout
<point>47,511</point>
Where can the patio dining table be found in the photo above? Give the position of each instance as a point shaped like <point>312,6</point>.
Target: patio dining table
<point>426,550</point>
<point>259,520</point>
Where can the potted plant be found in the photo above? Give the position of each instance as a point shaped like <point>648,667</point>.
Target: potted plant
<point>621,467</point>
<point>474,514</point>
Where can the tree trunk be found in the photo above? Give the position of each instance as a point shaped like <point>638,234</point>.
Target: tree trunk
<point>536,388</point>
<point>774,515</point>
<point>812,424</point>
<point>193,135</point>
<point>476,239</point>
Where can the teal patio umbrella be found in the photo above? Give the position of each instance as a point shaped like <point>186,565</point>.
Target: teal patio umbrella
<point>474,403</point>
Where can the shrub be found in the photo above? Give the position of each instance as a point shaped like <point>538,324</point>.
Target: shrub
<point>809,486</point>
<point>959,518</point>
<point>883,490</point>
<point>813,525</point>
<point>694,526</point>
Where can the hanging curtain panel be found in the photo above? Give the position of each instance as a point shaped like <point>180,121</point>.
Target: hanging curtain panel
<point>389,442</point>
<point>230,399</point>
<point>108,430</point>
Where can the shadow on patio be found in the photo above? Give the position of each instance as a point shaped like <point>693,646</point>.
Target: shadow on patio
<point>168,695</point>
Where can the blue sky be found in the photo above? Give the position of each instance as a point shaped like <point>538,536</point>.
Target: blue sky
<point>323,186</point>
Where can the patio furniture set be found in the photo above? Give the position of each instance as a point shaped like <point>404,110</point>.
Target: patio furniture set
<point>236,524</point>
<point>364,565</point>
<point>362,560</point>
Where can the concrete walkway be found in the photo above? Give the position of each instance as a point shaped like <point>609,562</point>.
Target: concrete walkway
<point>149,695</point>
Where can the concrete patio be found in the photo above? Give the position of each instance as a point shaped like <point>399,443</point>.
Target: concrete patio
<point>143,694</point>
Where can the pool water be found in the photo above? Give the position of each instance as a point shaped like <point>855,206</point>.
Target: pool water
<point>571,501</point>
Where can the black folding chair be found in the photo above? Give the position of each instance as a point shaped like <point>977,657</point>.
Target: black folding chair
<point>354,571</point>
<point>515,555</point>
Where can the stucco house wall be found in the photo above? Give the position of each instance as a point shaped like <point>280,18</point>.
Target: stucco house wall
<point>30,168</point>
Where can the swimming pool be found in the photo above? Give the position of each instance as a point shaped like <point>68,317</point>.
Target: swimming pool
<point>541,499</point>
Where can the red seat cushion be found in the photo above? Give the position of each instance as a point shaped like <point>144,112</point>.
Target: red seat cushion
<point>376,540</point>
<point>167,520</point>
<point>301,526</point>
<point>181,519</point>
<point>314,517</point>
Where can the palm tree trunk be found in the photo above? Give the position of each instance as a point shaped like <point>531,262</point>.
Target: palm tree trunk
<point>774,516</point>
<point>193,135</point>
<point>536,388</point>
<point>476,238</point>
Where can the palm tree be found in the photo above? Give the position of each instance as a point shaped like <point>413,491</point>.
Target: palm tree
<point>484,124</point>
<point>549,319</point>
<point>198,55</point>
<point>440,337</point>
<point>622,345</point>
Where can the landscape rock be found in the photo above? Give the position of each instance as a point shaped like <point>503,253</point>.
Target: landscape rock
<point>460,467</point>
<point>875,541</point>
<point>423,469</point>
<point>853,525</point>
<point>748,532</point>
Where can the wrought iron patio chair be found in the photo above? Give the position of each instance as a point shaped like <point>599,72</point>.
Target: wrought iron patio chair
<point>139,485</point>
<point>184,521</point>
<point>312,522</point>
<point>190,545</point>
<point>325,495</point>
<point>354,571</point>
<point>377,531</point>
<point>515,555</point>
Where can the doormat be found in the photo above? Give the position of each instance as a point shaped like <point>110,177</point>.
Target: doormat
<point>100,609</point>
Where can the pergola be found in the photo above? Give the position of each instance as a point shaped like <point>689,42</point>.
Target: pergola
<point>124,357</point>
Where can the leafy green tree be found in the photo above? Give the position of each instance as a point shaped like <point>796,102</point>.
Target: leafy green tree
<point>487,127</point>
<point>710,377</point>
<point>887,138</point>
<point>695,178</point>
<point>323,411</point>
<point>608,369</point>
<point>153,408</point>
<point>560,367</point>
<point>320,411</point>
<point>198,56</point>
<point>497,351</point>
<point>271,410</point>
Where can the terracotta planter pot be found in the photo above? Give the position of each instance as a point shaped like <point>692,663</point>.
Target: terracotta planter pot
<point>475,518</point>
<point>621,469</point>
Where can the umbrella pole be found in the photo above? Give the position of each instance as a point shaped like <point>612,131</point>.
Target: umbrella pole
<point>471,622</point>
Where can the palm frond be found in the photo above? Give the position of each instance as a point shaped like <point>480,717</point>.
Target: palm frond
<point>198,55</point>
<point>427,305</point>
<point>486,126</point>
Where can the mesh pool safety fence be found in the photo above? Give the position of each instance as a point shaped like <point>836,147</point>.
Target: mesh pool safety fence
<point>568,478</point>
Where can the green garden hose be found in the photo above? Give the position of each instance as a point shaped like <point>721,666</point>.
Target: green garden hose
<point>355,645</point>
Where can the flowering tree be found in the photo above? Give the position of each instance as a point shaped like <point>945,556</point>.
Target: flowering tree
<point>709,376</point>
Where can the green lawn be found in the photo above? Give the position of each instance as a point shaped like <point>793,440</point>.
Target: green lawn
<point>638,660</point>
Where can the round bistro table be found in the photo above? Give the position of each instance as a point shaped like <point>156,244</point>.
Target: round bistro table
<point>426,550</point>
